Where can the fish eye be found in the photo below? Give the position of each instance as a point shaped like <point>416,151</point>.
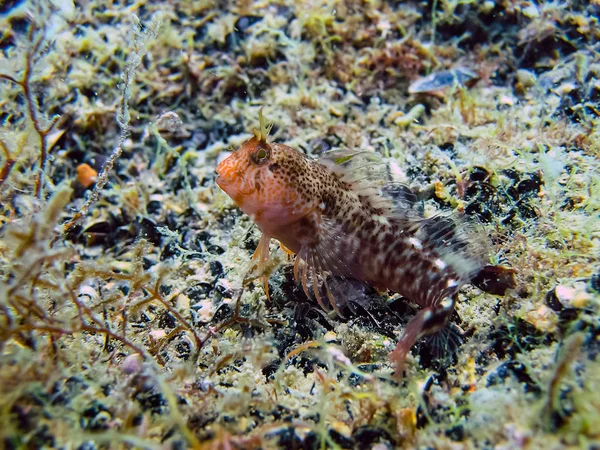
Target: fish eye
<point>261,155</point>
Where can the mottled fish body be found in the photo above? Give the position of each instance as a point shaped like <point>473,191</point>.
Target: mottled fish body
<point>336,215</point>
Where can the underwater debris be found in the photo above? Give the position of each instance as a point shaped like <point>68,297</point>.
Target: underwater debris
<point>141,35</point>
<point>43,126</point>
<point>495,279</point>
<point>411,117</point>
<point>86,175</point>
<point>554,413</point>
<point>524,160</point>
<point>575,295</point>
<point>342,225</point>
<point>444,79</point>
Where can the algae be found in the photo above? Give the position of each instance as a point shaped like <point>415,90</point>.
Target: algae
<point>129,313</point>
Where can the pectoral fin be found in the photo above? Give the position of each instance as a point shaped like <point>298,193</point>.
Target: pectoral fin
<point>261,255</point>
<point>325,260</point>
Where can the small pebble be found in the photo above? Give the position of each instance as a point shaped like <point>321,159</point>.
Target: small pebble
<point>575,296</point>
<point>132,364</point>
<point>543,318</point>
<point>157,335</point>
<point>526,78</point>
<point>86,175</point>
<point>169,121</point>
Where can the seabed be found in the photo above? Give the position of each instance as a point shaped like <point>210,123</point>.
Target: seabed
<point>130,316</point>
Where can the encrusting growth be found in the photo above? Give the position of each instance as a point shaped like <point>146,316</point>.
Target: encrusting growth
<point>343,220</point>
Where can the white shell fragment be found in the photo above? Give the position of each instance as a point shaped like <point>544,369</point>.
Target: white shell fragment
<point>442,80</point>
<point>574,295</point>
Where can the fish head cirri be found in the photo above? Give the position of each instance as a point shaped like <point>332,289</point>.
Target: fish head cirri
<point>271,183</point>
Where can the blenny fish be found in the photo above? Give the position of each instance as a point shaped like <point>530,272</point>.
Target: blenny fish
<point>343,222</point>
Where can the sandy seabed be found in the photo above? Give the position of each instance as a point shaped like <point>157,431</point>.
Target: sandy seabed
<point>130,316</point>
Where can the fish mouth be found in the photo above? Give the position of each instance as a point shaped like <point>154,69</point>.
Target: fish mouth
<point>221,182</point>
<point>224,176</point>
<point>227,176</point>
<point>232,187</point>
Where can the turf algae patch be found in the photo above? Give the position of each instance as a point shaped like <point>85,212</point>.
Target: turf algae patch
<point>140,327</point>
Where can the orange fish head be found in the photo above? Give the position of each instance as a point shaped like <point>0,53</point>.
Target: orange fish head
<point>259,177</point>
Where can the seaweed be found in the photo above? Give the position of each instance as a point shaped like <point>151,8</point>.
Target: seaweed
<point>128,316</point>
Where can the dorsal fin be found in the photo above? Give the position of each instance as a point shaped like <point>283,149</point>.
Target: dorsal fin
<point>369,175</point>
<point>460,243</point>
